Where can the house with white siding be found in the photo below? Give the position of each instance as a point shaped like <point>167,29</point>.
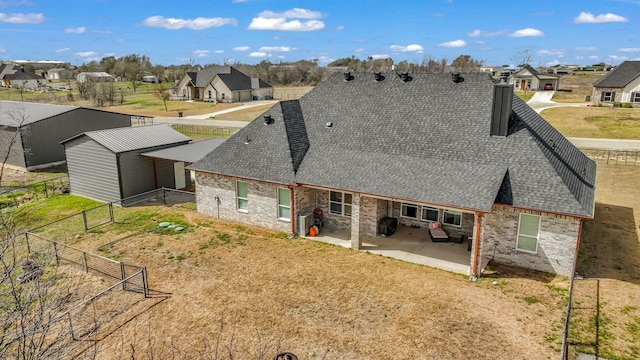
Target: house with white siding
<point>621,85</point>
<point>224,84</point>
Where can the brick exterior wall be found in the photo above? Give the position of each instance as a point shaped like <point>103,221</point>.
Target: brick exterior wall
<point>466,223</point>
<point>262,197</point>
<point>556,244</point>
<point>597,94</point>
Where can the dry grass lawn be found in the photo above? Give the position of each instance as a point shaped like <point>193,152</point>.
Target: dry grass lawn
<point>595,122</point>
<point>579,85</point>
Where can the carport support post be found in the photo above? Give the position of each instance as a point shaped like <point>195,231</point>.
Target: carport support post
<point>356,240</point>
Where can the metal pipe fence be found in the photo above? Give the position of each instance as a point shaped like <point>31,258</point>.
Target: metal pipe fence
<point>15,195</point>
<point>614,157</point>
<point>208,130</point>
<point>162,196</point>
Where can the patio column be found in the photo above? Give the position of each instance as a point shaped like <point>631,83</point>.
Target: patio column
<point>356,216</point>
<point>475,251</point>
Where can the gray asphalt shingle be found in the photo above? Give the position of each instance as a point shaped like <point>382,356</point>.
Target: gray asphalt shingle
<point>620,76</point>
<point>425,140</point>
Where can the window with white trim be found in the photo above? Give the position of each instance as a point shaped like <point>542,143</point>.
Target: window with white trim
<point>284,204</point>
<point>608,96</point>
<point>409,210</point>
<point>242,199</point>
<point>528,233</point>
<point>209,94</point>
<point>429,213</point>
<point>340,203</point>
<point>452,217</point>
<point>635,97</point>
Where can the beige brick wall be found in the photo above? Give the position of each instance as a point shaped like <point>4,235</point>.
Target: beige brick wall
<point>556,244</point>
<point>263,201</point>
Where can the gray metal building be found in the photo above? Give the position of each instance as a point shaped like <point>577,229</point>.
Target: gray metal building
<point>105,165</point>
<point>32,132</point>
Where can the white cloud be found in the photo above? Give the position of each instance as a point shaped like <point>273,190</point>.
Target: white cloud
<point>478,32</point>
<point>324,59</point>
<point>107,32</point>
<point>269,20</point>
<point>380,56</point>
<point>528,32</point>
<point>552,63</point>
<point>589,18</point>
<point>219,51</point>
<point>241,48</point>
<point>109,54</point>
<point>86,54</point>
<point>551,52</point>
<point>594,57</point>
<point>295,13</point>
<point>359,50</point>
<point>201,53</point>
<point>31,18</point>
<point>62,50</point>
<point>2,50</point>
<point>453,44</point>
<point>340,27</point>
<point>78,30</point>
<point>199,23</point>
<point>474,33</point>
<point>617,58</point>
<point>408,48</point>
<point>629,49</point>
<point>276,48</point>
<point>258,54</point>
<point>586,48</point>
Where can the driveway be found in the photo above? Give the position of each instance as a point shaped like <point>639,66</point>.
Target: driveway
<point>241,107</point>
<point>209,119</point>
<point>541,100</point>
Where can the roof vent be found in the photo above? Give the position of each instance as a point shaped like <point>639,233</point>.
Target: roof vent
<point>504,76</point>
<point>268,120</point>
<point>347,76</point>
<point>378,76</point>
<point>328,124</point>
<point>247,140</point>
<point>405,76</point>
<point>456,77</point>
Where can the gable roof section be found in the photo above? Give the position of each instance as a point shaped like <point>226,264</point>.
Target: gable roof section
<point>425,140</point>
<point>125,139</point>
<point>15,113</point>
<point>23,75</point>
<point>232,77</point>
<point>620,76</point>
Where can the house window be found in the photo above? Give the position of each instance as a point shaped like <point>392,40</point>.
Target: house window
<point>409,210</point>
<point>340,203</point>
<point>452,217</point>
<point>209,94</point>
<point>184,92</point>
<point>429,213</point>
<point>635,97</point>
<point>284,204</point>
<point>528,233</point>
<point>608,96</point>
<point>222,95</point>
<point>241,196</point>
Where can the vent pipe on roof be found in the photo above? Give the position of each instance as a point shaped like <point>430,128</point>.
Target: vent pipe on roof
<point>501,110</point>
<point>378,76</point>
<point>347,76</point>
<point>504,76</point>
<point>405,76</point>
<point>456,78</point>
<point>268,120</point>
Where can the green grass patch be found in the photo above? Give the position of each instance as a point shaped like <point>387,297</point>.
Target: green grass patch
<point>525,95</point>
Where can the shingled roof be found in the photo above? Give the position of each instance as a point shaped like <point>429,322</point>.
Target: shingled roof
<point>426,140</point>
<point>620,76</point>
<point>232,77</point>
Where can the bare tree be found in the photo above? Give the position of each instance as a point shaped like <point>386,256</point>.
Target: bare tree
<point>522,58</point>
<point>465,63</point>
<point>162,93</point>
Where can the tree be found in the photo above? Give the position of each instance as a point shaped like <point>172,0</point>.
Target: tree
<point>162,93</point>
<point>465,63</point>
<point>522,58</point>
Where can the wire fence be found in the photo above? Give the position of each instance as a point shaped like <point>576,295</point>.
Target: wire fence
<point>162,196</point>
<point>582,322</point>
<point>15,195</point>
<point>614,157</point>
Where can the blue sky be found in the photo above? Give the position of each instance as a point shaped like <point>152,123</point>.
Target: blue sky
<point>203,32</point>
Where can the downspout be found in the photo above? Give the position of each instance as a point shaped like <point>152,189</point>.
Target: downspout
<point>476,246</point>
<point>293,217</point>
<point>155,174</point>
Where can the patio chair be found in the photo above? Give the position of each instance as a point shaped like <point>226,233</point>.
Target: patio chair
<point>318,218</point>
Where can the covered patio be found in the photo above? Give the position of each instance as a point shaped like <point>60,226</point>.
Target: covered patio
<point>408,244</point>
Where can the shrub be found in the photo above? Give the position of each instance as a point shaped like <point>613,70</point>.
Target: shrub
<point>627,105</point>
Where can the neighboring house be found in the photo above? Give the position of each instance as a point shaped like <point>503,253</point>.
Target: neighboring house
<point>459,150</point>
<point>492,70</point>
<point>529,78</point>
<point>6,69</point>
<point>99,76</point>
<point>32,132</point>
<point>150,79</point>
<point>22,79</point>
<point>622,84</point>
<point>59,74</point>
<point>106,165</point>
<point>220,84</point>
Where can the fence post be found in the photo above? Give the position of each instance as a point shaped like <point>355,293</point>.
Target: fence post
<point>122,276</point>
<point>46,193</point>
<point>13,195</point>
<point>608,156</point>
<point>84,220</point>
<point>55,252</point>
<point>26,236</point>
<point>145,285</point>
<point>84,261</point>
<point>164,197</point>
<point>111,213</point>
<point>73,336</point>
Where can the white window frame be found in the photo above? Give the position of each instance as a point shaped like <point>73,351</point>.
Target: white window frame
<point>281,206</point>
<point>429,208</point>
<point>408,205</point>
<point>635,97</point>
<point>454,212</point>
<point>537,237</point>
<point>343,204</point>
<point>610,97</point>
<point>239,198</point>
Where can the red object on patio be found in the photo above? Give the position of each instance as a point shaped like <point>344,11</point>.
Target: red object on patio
<point>313,231</point>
